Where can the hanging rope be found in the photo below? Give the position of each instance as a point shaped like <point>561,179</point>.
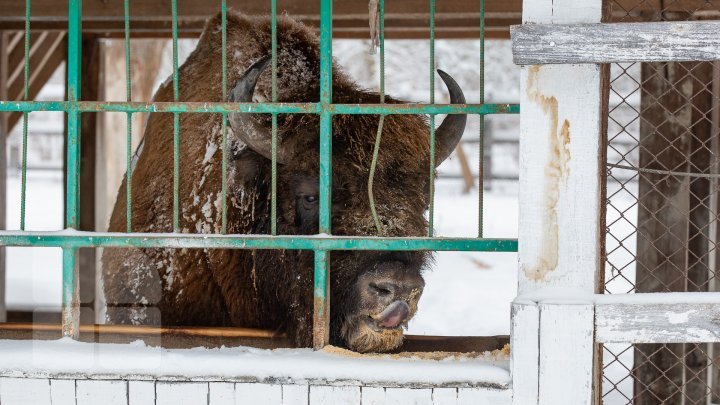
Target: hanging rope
<point>373,165</point>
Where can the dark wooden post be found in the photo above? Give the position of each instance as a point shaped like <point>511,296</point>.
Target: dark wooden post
<point>714,259</point>
<point>89,92</point>
<point>674,216</point>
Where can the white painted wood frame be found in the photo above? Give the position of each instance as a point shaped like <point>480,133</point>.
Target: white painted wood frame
<point>617,42</point>
<point>671,321</point>
<point>562,158</point>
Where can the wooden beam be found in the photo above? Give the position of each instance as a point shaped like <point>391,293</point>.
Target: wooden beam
<point>616,42</point>
<point>676,322</point>
<point>42,68</point>
<point>562,177</point>
<point>566,328</point>
<point>155,17</point>
<point>88,139</point>
<point>673,216</point>
<point>525,352</point>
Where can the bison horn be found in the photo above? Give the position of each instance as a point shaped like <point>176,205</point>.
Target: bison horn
<point>448,134</point>
<point>246,126</point>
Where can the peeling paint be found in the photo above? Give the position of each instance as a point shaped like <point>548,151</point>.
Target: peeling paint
<point>556,174</point>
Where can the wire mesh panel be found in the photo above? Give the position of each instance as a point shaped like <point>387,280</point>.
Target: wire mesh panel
<point>662,206</point>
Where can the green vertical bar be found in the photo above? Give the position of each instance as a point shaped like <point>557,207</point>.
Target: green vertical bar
<point>481,170</point>
<point>128,119</point>
<point>431,213</point>
<point>325,116</point>
<point>23,181</point>
<point>223,12</point>
<point>321,299</point>
<point>273,204</point>
<point>176,125</point>
<point>70,294</point>
<point>321,319</point>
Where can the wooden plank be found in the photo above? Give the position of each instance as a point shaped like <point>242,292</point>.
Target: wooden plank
<point>257,393</point>
<point>43,49</point>
<point>658,323</point>
<point>701,217</point>
<point>181,393</point>
<point>326,394</point>
<point>525,355</point>
<point>295,394</point>
<point>566,379</point>
<point>663,214</point>
<point>445,396</point>
<point>562,139</point>
<point>62,392</point>
<point>562,155</point>
<point>88,139</point>
<point>141,393</point>
<point>110,392</point>
<point>402,396</point>
<point>372,395</point>
<point>472,396</point>
<point>22,391</point>
<point>40,73</point>
<point>221,393</point>
<point>617,42</point>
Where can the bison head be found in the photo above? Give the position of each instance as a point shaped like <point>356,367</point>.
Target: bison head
<point>373,294</point>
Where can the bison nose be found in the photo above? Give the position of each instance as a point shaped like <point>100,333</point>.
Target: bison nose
<point>393,315</point>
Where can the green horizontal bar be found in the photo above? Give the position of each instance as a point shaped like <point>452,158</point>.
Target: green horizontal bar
<point>281,108</point>
<point>29,106</point>
<point>423,108</point>
<point>76,239</point>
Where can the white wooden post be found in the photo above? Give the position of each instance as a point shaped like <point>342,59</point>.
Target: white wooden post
<point>562,142</point>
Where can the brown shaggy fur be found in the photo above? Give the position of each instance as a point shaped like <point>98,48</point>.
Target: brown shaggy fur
<point>265,289</point>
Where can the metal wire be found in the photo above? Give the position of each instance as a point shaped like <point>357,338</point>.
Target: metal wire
<point>431,210</point>
<point>128,137</point>
<point>23,181</point>
<point>176,124</point>
<point>223,12</point>
<point>274,139</point>
<point>481,147</point>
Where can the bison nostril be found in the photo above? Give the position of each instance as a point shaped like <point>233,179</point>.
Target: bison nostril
<point>382,290</point>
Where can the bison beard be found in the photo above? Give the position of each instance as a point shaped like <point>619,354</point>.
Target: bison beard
<point>373,294</point>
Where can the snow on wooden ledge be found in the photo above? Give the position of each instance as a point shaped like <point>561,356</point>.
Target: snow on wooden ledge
<point>66,358</point>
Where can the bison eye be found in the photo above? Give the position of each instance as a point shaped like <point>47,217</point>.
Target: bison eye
<point>310,198</point>
<point>380,290</point>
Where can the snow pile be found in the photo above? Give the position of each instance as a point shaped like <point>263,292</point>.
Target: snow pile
<point>66,357</point>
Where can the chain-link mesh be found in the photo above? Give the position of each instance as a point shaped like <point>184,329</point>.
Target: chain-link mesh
<point>663,203</point>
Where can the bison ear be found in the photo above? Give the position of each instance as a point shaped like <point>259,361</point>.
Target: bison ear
<point>448,134</point>
<point>246,126</point>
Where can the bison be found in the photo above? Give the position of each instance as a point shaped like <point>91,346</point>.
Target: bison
<point>373,294</point>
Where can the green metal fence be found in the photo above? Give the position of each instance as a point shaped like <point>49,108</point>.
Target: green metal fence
<point>70,240</point>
